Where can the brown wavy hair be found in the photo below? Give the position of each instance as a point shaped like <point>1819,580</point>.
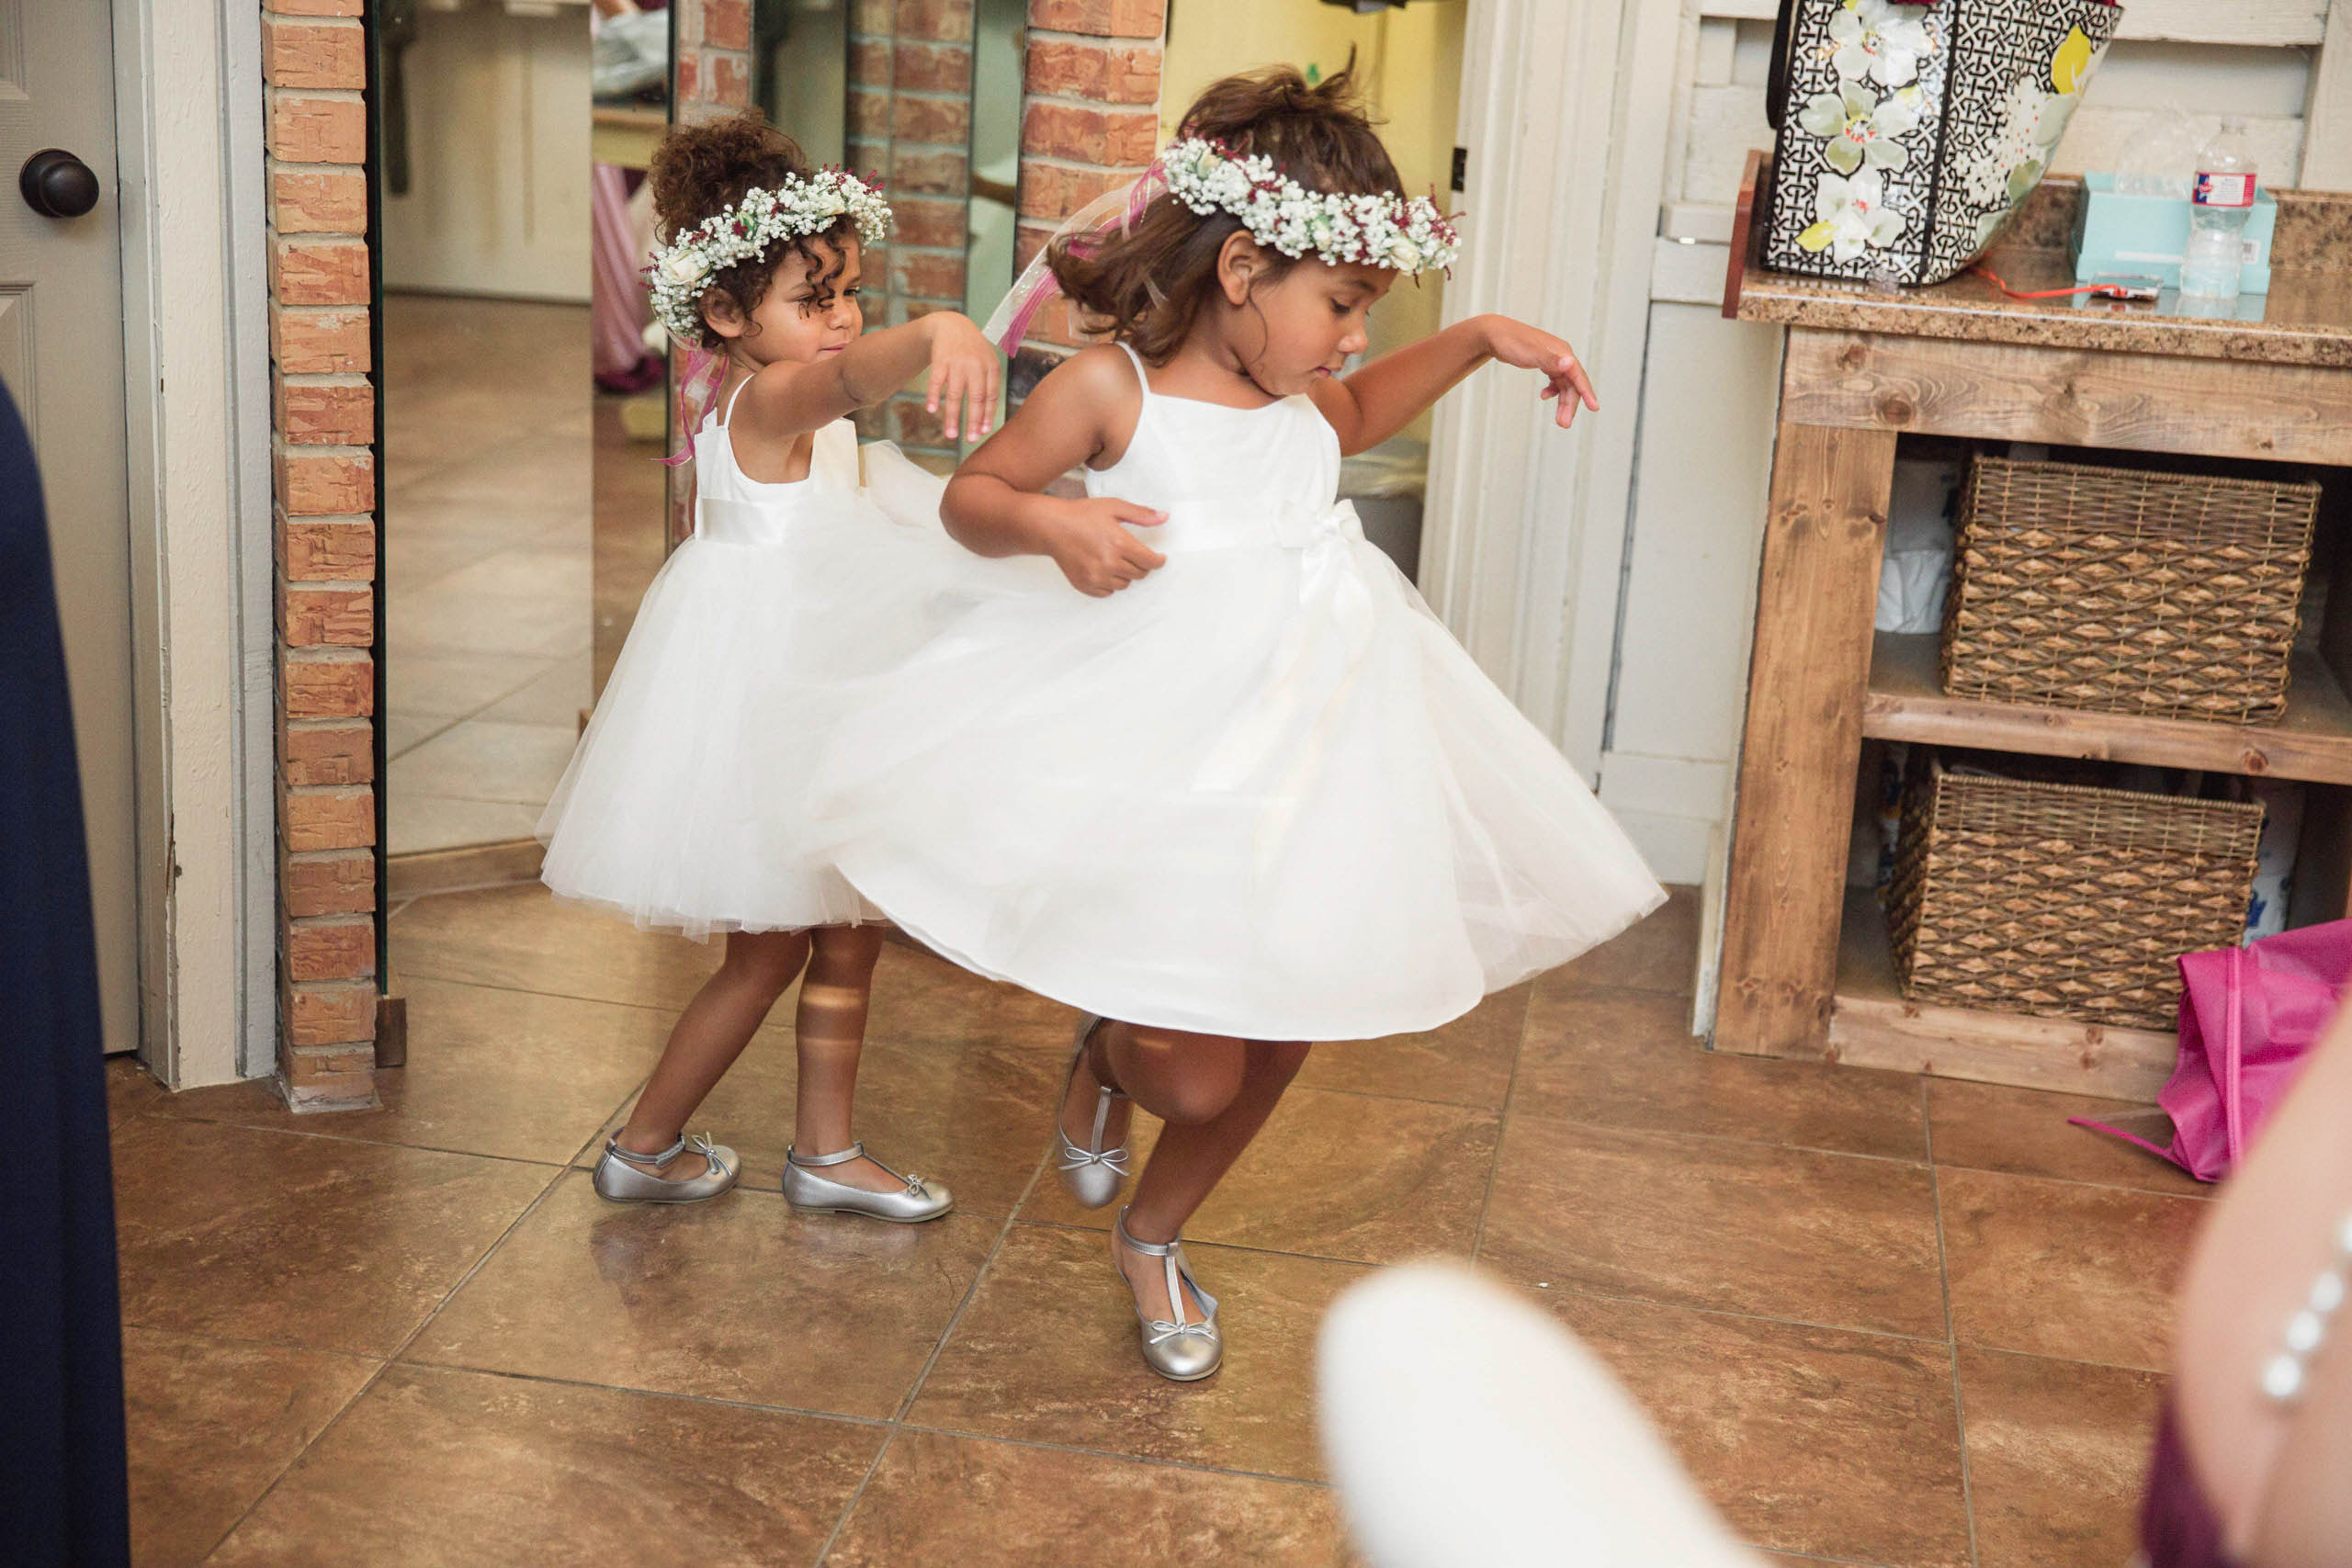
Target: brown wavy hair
<point>699,170</point>
<point>1146,287</point>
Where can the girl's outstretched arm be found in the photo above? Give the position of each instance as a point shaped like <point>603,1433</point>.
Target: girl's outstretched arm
<point>996,504</point>
<point>1389,393</point>
<point>789,397</point>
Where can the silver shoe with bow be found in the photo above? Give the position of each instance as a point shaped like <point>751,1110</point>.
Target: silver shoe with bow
<point>918,1200</point>
<point>1092,1175</point>
<point>1189,1349</point>
<point>624,1176</point>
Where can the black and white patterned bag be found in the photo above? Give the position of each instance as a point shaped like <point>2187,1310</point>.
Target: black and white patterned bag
<point>1911,130</point>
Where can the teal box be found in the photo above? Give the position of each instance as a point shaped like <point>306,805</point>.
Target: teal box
<point>2144,236</point>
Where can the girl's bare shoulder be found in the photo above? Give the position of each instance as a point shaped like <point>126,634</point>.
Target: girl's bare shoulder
<point>1100,372</point>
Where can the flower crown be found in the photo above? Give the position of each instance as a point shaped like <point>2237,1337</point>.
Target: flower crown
<point>683,268</point>
<point>1382,229</point>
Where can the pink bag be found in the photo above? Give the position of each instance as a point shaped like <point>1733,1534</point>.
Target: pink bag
<point>2248,1016</point>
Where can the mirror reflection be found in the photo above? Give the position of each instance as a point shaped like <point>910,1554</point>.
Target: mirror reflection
<point>527,391</point>
<point>487,478</point>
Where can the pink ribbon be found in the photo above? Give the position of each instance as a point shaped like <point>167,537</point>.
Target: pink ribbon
<point>695,393</point>
<point>1147,185</point>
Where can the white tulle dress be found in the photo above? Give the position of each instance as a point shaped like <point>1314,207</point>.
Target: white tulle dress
<point>679,807</point>
<point>1260,793</point>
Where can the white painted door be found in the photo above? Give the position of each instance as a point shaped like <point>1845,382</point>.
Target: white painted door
<point>61,356</point>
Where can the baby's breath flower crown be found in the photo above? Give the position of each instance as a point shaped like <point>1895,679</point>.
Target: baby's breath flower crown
<point>683,268</point>
<point>1380,229</point>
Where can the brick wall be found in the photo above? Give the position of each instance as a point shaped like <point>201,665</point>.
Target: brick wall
<point>910,120</point>
<point>314,70</point>
<point>1089,122</point>
<point>714,65</point>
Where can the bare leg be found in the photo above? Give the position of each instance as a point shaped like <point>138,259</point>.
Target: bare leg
<point>709,1035</point>
<point>1213,1092</point>
<point>1086,1084</point>
<point>833,1000</point>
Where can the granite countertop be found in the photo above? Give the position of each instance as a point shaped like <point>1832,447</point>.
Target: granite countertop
<point>2306,318</point>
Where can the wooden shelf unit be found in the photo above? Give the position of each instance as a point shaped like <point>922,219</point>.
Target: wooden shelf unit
<point>1805,967</point>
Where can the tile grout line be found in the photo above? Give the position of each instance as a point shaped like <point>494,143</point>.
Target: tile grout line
<point>1856,1154</point>
<point>939,1347</point>
<point>801,1412</point>
<point>1502,1131</point>
<point>191,1118</point>
<point>1952,1327</point>
<point>1075,1228</point>
<point>377,1375</point>
<point>1189,1465</point>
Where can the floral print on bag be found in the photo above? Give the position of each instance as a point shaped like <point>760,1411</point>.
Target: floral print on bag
<point>1876,38</point>
<point>2003,167</point>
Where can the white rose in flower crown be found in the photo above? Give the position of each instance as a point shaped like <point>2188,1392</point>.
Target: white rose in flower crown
<point>1403,254</point>
<point>685,267</point>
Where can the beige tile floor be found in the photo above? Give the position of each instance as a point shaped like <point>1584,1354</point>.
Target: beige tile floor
<point>1885,1320</point>
<point>488,522</point>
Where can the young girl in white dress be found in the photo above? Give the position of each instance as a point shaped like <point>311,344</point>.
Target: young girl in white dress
<point>664,813</point>
<point>1240,790</point>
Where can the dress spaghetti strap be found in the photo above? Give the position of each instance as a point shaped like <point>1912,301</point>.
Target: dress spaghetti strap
<point>1137,360</point>
<point>728,413</point>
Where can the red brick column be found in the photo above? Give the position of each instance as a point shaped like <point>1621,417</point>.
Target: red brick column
<point>714,66</point>
<point>910,121</point>
<point>315,67</point>
<point>1089,122</point>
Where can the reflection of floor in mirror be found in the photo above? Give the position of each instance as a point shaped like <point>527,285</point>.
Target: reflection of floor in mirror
<point>414,1334</point>
<point>487,527</point>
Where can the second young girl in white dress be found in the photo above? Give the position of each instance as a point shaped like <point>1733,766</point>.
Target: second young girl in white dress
<point>671,812</point>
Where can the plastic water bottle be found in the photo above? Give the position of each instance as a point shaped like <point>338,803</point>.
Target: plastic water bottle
<point>2220,203</point>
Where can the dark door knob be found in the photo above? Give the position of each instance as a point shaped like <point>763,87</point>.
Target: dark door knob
<point>58,185</point>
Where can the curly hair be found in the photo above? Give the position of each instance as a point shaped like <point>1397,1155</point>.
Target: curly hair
<point>700,170</point>
<point>1147,287</point>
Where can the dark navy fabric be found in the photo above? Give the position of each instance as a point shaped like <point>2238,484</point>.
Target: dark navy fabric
<point>61,1375</point>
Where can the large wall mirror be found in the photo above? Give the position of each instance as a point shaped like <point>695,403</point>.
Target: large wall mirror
<point>528,397</point>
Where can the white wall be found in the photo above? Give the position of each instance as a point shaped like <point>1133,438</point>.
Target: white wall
<point>498,156</point>
<point>1699,486</point>
<point>1704,452</point>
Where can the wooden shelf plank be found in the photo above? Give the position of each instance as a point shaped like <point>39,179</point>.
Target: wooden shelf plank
<point>1871,1025</point>
<point>2312,742</point>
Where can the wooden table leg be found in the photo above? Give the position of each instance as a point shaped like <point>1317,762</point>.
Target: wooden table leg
<point>1815,605</point>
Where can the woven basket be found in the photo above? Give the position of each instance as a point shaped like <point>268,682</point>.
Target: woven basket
<point>2061,900</point>
<point>2172,596</point>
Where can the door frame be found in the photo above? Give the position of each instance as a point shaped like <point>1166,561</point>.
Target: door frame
<point>189,122</point>
<point>1565,113</point>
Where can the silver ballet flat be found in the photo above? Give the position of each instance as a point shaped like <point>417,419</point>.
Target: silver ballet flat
<point>918,1200</point>
<point>624,1176</point>
<point>1185,1351</point>
<point>1092,1175</point>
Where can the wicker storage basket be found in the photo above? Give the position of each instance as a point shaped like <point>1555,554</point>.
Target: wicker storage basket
<point>2062,900</point>
<point>2172,596</point>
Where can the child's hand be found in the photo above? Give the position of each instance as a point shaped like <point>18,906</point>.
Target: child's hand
<point>1089,540</point>
<point>1532,348</point>
<point>965,368</point>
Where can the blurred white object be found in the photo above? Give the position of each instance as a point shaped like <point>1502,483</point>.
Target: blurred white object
<point>2162,160</point>
<point>1914,574</point>
<point>2274,857</point>
<point>632,53</point>
<point>1468,1430</point>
